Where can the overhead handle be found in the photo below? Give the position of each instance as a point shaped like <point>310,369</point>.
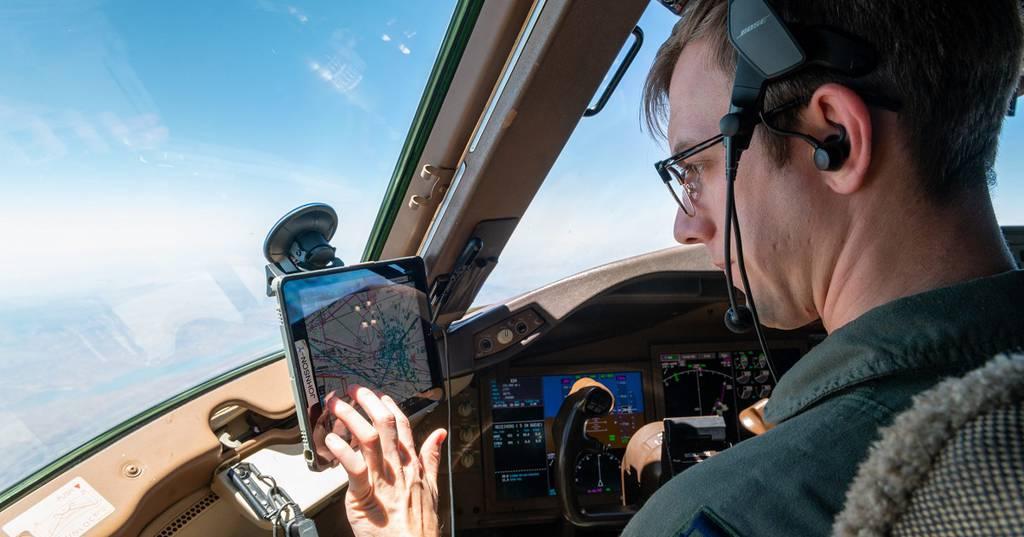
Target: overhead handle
<point>638,41</point>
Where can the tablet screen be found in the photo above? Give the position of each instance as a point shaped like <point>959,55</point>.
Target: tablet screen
<point>367,326</point>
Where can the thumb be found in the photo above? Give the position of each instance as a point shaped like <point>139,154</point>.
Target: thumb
<point>430,455</point>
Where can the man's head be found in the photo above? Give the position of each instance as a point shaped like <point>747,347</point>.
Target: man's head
<point>952,67</point>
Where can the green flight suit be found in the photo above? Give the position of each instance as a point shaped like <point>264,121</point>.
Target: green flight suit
<point>792,480</point>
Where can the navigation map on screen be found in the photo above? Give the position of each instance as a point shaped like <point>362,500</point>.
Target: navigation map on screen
<point>359,327</point>
<point>374,338</point>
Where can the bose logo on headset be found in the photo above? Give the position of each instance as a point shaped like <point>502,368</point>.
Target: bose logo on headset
<point>752,27</point>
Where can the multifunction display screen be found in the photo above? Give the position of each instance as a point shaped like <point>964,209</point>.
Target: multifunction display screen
<point>720,383</point>
<point>523,409</point>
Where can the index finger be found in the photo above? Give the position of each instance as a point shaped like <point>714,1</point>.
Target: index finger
<point>384,422</point>
<point>405,438</point>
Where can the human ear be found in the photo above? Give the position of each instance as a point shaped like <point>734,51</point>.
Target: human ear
<point>834,111</point>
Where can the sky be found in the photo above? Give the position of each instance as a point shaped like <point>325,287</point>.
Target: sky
<point>147,147</point>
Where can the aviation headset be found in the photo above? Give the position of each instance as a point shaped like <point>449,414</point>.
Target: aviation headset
<point>769,50</point>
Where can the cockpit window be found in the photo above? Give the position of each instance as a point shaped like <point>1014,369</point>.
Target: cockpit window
<point>146,148</point>
<point>603,201</point>
<point>1008,193</point>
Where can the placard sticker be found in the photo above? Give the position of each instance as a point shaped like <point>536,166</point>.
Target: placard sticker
<point>70,511</point>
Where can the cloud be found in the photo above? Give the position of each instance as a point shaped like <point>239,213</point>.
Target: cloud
<point>144,131</point>
<point>31,133</point>
<point>385,38</point>
<point>298,14</point>
<point>85,131</point>
<point>405,50</point>
<point>46,143</point>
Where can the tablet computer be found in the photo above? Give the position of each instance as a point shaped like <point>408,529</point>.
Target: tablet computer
<point>366,324</point>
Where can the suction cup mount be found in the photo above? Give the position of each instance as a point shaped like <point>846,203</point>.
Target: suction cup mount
<point>300,241</point>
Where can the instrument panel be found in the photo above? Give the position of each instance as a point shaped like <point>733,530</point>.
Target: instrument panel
<point>523,408</point>
<point>519,405</point>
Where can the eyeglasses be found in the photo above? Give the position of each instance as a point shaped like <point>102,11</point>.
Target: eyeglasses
<point>683,179</point>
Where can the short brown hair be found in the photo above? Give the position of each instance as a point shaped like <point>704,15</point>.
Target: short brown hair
<point>953,66</point>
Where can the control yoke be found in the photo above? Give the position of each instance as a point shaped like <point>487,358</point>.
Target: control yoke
<point>587,399</point>
<point>656,452</point>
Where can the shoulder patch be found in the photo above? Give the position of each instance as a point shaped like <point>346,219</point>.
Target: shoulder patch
<point>707,524</point>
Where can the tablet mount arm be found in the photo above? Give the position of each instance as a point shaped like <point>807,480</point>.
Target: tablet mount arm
<point>300,242</point>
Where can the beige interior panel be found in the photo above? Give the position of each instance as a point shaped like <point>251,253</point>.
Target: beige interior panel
<point>201,514</point>
<point>177,454</point>
<point>561,298</point>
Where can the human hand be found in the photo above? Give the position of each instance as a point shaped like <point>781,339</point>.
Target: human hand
<point>392,489</point>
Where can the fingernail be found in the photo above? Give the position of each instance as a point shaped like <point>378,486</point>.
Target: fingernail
<point>333,440</point>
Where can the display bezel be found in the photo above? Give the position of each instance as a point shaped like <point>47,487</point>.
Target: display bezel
<point>415,268</point>
<point>547,503</point>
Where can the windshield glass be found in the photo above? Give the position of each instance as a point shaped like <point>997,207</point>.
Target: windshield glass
<point>146,149</point>
<point>603,200</point>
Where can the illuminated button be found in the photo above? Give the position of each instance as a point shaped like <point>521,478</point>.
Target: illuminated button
<point>505,336</point>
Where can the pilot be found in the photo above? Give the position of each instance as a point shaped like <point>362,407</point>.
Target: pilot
<point>894,248</point>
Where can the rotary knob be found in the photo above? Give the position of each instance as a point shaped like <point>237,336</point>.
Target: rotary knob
<point>505,336</point>
<point>465,409</point>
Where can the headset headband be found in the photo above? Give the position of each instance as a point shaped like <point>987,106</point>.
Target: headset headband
<point>768,49</point>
